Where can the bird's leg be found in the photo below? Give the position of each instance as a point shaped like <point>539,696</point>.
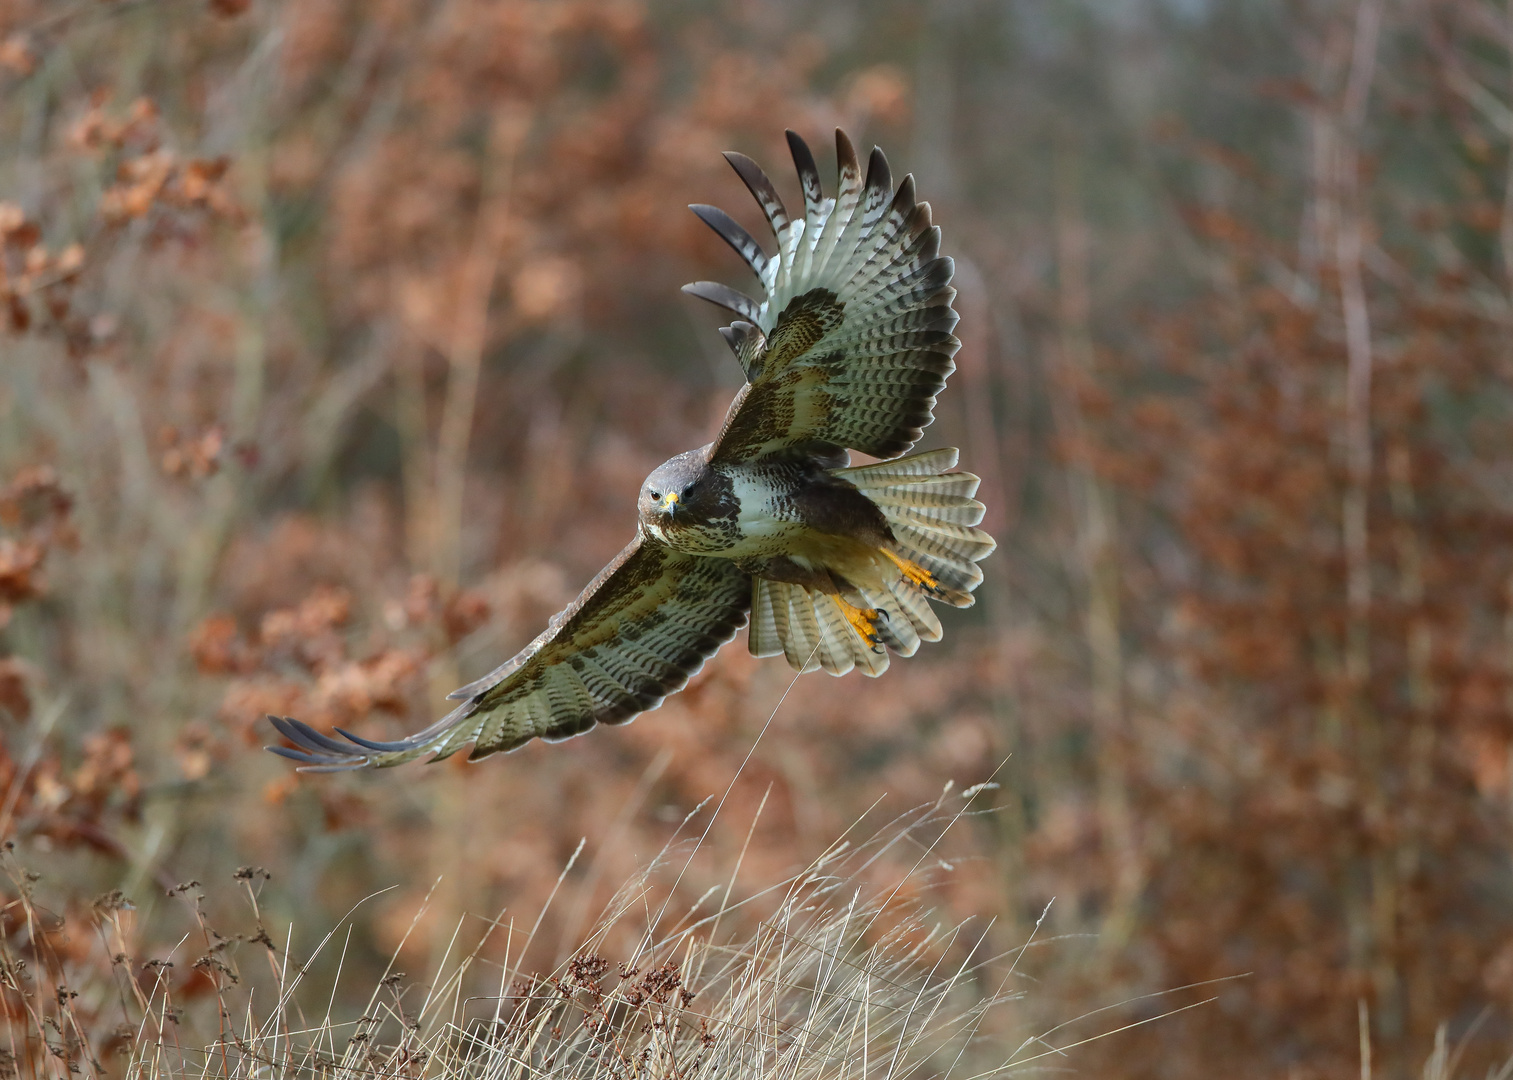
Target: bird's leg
<point>914,572</point>
<point>862,620</point>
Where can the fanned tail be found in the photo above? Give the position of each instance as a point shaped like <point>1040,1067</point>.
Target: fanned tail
<point>934,519</point>
<point>933,516</point>
<point>810,631</point>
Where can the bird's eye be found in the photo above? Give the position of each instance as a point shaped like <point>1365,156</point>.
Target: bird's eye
<point>656,495</point>
<point>688,491</point>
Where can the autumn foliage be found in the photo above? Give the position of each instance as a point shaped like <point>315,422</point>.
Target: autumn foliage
<point>337,339</point>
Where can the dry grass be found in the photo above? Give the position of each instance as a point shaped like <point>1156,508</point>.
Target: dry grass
<point>848,975</point>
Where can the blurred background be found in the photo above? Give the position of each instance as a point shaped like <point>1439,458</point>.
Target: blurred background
<point>339,336</point>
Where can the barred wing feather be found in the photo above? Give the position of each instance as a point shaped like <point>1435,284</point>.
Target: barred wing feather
<point>853,337</point>
<point>636,634</point>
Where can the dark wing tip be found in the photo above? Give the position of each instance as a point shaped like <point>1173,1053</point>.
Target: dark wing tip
<point>730,230</point>
<point>844,151</point>
<point>809,172</point>
<point>734,234</point>
<point>726,297</point>
<point>289,752</point>
<point>315,752</point>
<point>749,171</point>
<point>879,176</point>
<point>760,185</point>
<point>372,744</point>
<point>905,199</point>
<point>296,731</point>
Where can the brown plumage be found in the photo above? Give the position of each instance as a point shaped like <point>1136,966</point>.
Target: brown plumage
<point>846,351</point>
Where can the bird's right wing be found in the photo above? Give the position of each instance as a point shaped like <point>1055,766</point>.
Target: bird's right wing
<point>643,626</point>
<point>853,338</point>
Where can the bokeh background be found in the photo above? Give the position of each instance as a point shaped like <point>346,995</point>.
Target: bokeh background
<point>340,334</point>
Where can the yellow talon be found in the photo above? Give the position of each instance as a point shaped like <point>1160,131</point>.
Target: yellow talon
<point>914,572</point>
<point>862,620</point>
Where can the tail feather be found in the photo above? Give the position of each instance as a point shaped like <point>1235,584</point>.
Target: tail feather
<point>943,523</point>
<point>810,631</point>
<point>952,559</point>
<point>801,644</point>
<point>916,609</point>
<point>896,628</point>
<point>834,655</point>
<point>915,467</point>
<point>934,517</point>
<point>954,580</point>
<point>765,638</point>
<point>842,648</point>
<point>957,509</point>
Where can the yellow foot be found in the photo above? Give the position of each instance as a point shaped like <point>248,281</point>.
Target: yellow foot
<point>862,620</point>
<point>914,572</point>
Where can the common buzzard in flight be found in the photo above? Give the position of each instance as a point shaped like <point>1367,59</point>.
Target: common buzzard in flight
<point>834,565</point>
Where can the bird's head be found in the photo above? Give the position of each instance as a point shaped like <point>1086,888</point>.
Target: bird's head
<point>667,491</point>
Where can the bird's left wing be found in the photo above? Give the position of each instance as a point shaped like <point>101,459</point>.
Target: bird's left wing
<point>636,634</point>
<point>853,338</point>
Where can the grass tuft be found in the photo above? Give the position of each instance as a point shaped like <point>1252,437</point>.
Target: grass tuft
<point>845,975</point>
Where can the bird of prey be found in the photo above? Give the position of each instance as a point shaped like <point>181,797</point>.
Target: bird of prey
<point>834,564</point>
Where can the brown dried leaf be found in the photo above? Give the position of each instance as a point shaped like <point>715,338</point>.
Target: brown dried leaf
<point>20,570</point>
<point>20,315</point>
<point>219,649</point>
<point>463,614</point>
<point>15,702</point>
<point>17,54</point>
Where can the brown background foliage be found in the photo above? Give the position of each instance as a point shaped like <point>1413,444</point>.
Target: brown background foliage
<point>339,337</point>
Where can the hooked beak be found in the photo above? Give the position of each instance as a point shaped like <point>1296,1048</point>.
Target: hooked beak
<point>671,502</point>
